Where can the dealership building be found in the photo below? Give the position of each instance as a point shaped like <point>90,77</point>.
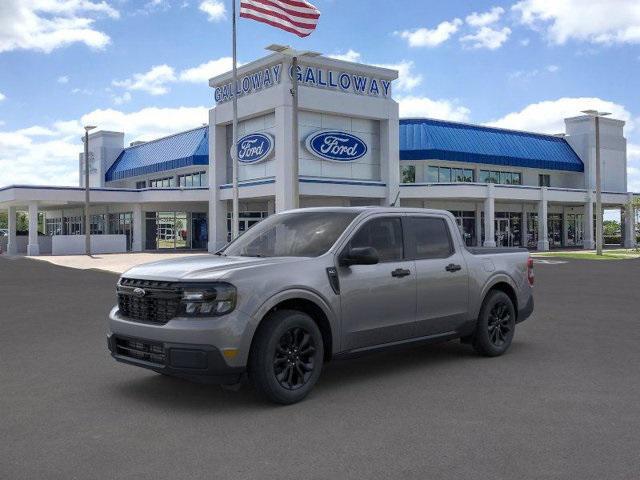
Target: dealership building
<point>505,187</point>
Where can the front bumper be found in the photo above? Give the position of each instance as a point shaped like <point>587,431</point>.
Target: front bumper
<point>199,363</point>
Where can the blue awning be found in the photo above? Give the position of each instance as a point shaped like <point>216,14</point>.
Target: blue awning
<point>176,151</point>
<point>427,139</point>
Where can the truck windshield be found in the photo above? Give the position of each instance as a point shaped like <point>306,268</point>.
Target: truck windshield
<point>295,234</point>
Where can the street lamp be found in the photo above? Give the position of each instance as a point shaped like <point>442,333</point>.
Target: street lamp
<point>87,218</point>
<point>596,114</point>
<point>294,54</point>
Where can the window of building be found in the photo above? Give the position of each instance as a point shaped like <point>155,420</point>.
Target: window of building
<point>408,174</point>
<point>190,180</point>
<point>429,238</point>
<point>383,234</point>
<point>544,180</point>
<point>504,178</point>
<point>166,182</point>
<point>447,174</point>
<point>142,184</point>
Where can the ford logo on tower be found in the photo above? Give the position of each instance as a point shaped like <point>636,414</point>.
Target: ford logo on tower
<point>336,146</point>
<point>255,148</point>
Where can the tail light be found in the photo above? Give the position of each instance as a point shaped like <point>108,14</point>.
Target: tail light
<point>530,276</point>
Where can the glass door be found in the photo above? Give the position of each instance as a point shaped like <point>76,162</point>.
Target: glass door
<point>575,232</point>
<point>503,232</point>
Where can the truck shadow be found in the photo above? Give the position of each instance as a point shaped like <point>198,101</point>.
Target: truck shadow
<point>162,392</point>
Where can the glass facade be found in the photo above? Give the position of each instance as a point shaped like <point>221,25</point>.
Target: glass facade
<point>245,222</point>
<point>466,221</point>
<point>166,182</point>
<point>175,230</point>
<point>408,174</point>
<point>449,175</point>
<point>101,224</point>
<point>504,178</point>
<point>197,179</point>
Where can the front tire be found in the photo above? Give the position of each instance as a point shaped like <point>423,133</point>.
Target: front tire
<point>286,357</point>
<point>496,325</point>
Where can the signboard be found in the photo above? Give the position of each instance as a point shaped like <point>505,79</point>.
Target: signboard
<point>255,148</point>
<point>336,146</point>
<point>309,76</point>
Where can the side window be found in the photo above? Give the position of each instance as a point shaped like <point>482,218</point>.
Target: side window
<point>430,237</point>
<point>385,235</point>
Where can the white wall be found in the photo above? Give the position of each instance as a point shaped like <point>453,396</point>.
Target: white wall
<point>75,244</point>
<point>105,147</point>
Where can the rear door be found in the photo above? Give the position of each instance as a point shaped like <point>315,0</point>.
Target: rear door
<point>441,275</point>
<point>378,301</point>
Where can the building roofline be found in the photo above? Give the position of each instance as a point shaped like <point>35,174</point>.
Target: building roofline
<point>554,136</point>
<point>165,137</point>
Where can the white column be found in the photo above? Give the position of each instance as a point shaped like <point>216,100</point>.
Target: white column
<point>588,242</point>
<point>390,154</point>
<point>524,228</point>
<point>138,228</point>
<point>543,234</point>
<point>12,247</point>
<point>629,223</point>
<point>218,150</point>
<point>271,206</point>
<point>478,225</point>
<point>489,218</point>
<point>284,158</point>
<point>33,248</point>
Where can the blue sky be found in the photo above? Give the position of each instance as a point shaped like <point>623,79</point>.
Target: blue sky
<point>142,66</point>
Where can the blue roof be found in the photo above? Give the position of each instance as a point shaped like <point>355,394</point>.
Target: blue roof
<point>176,151</point>
<point>426,139</point>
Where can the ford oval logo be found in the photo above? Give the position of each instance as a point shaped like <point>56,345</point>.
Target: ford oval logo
<point>255,148</point>
<point>139,292</point>
<point>336,146</point>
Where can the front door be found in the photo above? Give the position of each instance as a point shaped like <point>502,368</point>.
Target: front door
<point>378,302</point>
<point>441,276</point>
<point>503,233</point>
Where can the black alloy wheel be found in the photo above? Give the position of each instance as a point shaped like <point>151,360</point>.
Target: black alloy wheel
<point>294,361</point>
<point>499,324</point>
<point>496,325</point>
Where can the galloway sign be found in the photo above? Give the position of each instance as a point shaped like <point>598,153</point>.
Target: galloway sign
<point>336,146</point>
<point>255,148</point>
<point>252,82</point>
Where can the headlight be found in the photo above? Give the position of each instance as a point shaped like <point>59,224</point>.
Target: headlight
<point>208,300</point>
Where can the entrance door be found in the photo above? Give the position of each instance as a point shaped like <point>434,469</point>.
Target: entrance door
<point>378,302</point>
<point>503,233</point>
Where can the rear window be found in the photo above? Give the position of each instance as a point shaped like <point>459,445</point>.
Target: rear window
<point>429,237</point>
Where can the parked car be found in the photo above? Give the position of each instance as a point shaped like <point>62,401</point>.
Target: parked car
<point>307,286</point>
<point>4,232</point>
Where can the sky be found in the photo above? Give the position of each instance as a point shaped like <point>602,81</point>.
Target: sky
<point>142,66</point>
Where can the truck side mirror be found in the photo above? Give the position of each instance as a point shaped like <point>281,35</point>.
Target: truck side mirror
<point>359,256</point>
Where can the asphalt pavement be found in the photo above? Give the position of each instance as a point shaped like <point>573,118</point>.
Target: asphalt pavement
<point>562,404</point>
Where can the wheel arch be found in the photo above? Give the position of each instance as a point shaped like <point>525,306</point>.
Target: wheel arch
<point>304,301</point>
<point>504,284</point>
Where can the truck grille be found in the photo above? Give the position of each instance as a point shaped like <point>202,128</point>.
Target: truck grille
<point>140,350</point>
<point>147,300</point>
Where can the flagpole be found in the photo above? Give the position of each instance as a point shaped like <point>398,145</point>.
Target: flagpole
<point>294,133</point>
<point>234,150</point>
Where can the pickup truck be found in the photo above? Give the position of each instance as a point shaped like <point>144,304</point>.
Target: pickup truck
<point>306,286</point>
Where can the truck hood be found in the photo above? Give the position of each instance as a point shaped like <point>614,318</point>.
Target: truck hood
<point>200,267</point>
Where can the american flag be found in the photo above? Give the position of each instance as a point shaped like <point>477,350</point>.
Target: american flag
<point>295,16</point>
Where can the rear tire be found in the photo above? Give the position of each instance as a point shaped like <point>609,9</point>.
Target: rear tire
<point>496,325</point>
<point>286,357</point>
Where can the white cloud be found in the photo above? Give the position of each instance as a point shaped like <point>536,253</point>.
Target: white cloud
<point>203,72</point>
<point>407,78</point>
<point>63,79</point>
<point>414,106</point>
<point>122,99</point>
<point>424,37</point>
<point>486,18</point>
<point>552,68</point>
<point>2,96</point>
<point>548,116</point>
<point>487,37</point>
<point>595,21</point>
<point>45,25</point>
<point>529,74</point>
<point>525,42</point>
<point>154,81</point>
<point>48,155</point>
<point>349,56</point>
<point>214,9</point>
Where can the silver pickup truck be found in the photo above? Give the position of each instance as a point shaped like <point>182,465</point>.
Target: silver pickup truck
<point>306,286</point>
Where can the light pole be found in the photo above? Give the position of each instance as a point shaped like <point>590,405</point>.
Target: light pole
<point>87,218</point>
<point>295,55</point>
<point>596,115</point>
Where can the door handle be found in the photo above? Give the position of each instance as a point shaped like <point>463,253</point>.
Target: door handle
<point>452,267</point>
<point>400,272</point>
